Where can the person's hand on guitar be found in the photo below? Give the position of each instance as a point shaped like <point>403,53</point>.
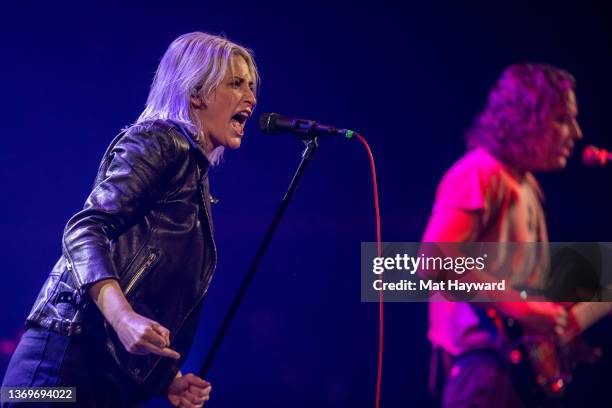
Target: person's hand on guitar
<point>545,318</point>
<point>582,316</point>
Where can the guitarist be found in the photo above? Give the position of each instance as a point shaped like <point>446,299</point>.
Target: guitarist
<point>490,195</point>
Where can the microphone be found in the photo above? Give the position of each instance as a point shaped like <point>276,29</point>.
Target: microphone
<point>273,123</point>
<point>595,157</point>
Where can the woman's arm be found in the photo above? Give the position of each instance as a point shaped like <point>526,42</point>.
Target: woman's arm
<point>138,334</point>
<point>135,175</point>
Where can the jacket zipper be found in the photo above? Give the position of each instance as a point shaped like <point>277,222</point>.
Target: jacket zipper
<point>140,271</point>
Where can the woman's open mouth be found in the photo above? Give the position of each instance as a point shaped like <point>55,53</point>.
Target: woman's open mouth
<point>238,121</point>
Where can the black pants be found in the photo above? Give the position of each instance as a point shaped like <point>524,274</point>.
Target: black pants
<point>47,359</point>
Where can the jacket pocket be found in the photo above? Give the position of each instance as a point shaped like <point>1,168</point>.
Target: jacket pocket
<point>143,264</point>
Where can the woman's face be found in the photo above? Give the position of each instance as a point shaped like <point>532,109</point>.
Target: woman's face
<point>224,113</point>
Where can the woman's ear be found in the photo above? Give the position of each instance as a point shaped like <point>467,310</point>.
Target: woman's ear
<point>198,102</point>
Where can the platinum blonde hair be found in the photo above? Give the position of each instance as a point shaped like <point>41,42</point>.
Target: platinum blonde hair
<point>193,65</point>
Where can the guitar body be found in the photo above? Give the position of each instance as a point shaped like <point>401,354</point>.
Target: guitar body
<point>541,365</point>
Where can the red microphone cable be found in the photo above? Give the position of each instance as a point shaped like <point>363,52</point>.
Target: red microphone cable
<point>380,293</point>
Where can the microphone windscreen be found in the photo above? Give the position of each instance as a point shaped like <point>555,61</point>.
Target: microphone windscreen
<point>267,122</point>
<point>594,157</point>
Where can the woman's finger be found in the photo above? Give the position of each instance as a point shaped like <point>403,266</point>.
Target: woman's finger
<point>193,398</point>
<point>199,391</point>
<point>185,403</point>
<point>163,332</point>
<point>195,380</point>
<point>155,338</point>
<point>161,351</point>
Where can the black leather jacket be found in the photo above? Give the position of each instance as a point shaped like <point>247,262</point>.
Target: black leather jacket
<point>146,223</point>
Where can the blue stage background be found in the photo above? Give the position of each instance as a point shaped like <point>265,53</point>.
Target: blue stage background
<point>409,78</point>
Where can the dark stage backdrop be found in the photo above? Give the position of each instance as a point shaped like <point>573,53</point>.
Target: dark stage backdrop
<point>410,79</point>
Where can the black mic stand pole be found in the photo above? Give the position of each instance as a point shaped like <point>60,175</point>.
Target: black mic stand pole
<point>307,155</point>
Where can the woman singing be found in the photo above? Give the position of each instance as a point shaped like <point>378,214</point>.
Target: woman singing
<point>118,312</point>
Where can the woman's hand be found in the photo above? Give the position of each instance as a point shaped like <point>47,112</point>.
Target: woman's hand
<point>189,391</point>
<point>140,335</point>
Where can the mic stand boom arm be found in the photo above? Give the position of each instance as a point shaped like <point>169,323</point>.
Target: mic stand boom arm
<point>307,155</point>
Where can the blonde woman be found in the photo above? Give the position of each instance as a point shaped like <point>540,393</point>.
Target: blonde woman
<point>118,312</point>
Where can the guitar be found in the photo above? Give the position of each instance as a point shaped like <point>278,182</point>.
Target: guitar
<point>545,360</point>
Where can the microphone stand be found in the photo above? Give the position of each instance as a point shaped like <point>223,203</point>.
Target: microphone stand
<point>307,155</point>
